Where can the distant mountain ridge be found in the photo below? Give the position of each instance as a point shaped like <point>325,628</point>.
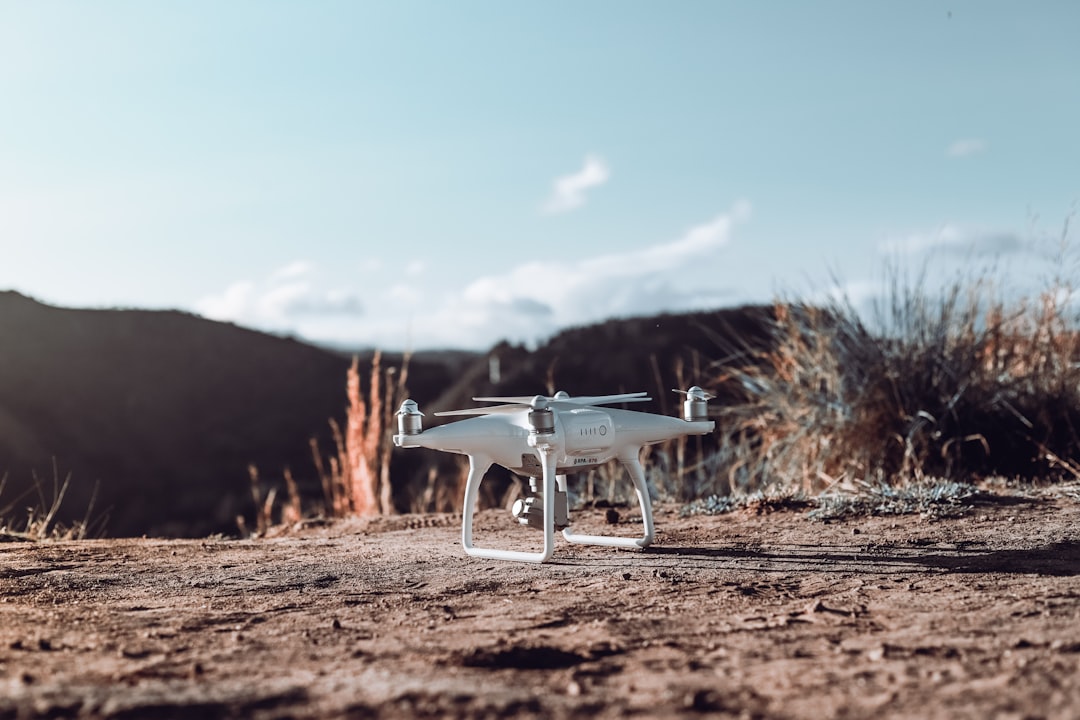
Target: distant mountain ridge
<point>162,408</point>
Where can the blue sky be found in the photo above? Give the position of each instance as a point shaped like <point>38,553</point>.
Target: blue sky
<point>434,174</point>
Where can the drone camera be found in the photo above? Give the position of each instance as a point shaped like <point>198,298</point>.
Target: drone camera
<point>530,511</point>
<point>409,419</point>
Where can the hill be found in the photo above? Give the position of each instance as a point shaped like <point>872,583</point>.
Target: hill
<point>162,410</point>
<point>651,353</point>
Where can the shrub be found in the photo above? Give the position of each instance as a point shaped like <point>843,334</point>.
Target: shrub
<point>357,481</point>
<point>958,385</point>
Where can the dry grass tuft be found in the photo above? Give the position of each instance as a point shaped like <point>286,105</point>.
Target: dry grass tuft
<point>443,492</point>
<point>39,522</point>
<point>357,481</point>
<point>956,386</point>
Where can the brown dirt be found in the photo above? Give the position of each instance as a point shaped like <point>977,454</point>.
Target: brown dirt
<point>742,615</point>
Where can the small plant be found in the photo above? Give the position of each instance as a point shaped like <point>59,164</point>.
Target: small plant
<point>356,479</point>
<point>929,497</point>
<point>38,522</point>
<point>759,502</point>
<point>444,494</point>
<point>265,520</point>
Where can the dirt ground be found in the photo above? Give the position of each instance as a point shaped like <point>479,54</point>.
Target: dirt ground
<point>741,615</point>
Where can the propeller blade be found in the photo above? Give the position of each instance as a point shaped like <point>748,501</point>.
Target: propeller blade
<point>607,399</point>
<point>523,402</point>
<point>491,410</point>
<point>579,400</point>
<point>695,392</point>
<point>519,400</point>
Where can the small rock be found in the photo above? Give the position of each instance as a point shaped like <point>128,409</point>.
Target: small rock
<point>703,701</point>
<point>611,516</point>
<point>626,576</point>
<point>573,689</point>
<point>855,531</point>
<point>336,624</point>
<point>136,653</point>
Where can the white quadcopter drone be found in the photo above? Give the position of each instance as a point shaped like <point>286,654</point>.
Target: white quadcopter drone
<point>547,437</point>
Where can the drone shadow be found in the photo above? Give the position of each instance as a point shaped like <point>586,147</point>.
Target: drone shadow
<point>1061,559</point>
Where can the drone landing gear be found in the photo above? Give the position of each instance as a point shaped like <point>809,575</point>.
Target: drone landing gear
<point>553,491</point>
<point>637,475</point>
<point>478,466</point>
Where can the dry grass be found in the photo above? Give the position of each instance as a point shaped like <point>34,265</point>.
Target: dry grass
<point>354,479</point>
<point>444,492</point>
<point>37,522</point>
<point>957,386</point>
<point>933,498</point>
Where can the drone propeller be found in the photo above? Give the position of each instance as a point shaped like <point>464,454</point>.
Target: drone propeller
<point>490,410</point>
<point>541,402</point>
<point>562,398</point>
<point>695,393</point>
<point>696,406</point>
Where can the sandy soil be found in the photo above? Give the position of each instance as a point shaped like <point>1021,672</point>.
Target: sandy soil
<point>742,615</point>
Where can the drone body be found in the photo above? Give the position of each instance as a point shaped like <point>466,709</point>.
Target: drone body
<point>546,438</point>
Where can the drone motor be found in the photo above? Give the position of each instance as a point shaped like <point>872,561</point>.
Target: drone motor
<point>409,419</point>
<point>696,406</point>
<point>541,416</point>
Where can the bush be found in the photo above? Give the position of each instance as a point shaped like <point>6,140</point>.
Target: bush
<point>958,385</point>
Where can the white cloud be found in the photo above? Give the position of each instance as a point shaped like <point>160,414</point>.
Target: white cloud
<point>230,304</point>
<point>535,299</point>
<point>405,294</point>
<point>858,294</point>
<point>524,303</point>
<point>294,269</point>
<point>956,241</point>
<point>415,268</point>
<point>371,265</point>
<point>280,302</point>
<point>965,147</point>
<point>568,191</point>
